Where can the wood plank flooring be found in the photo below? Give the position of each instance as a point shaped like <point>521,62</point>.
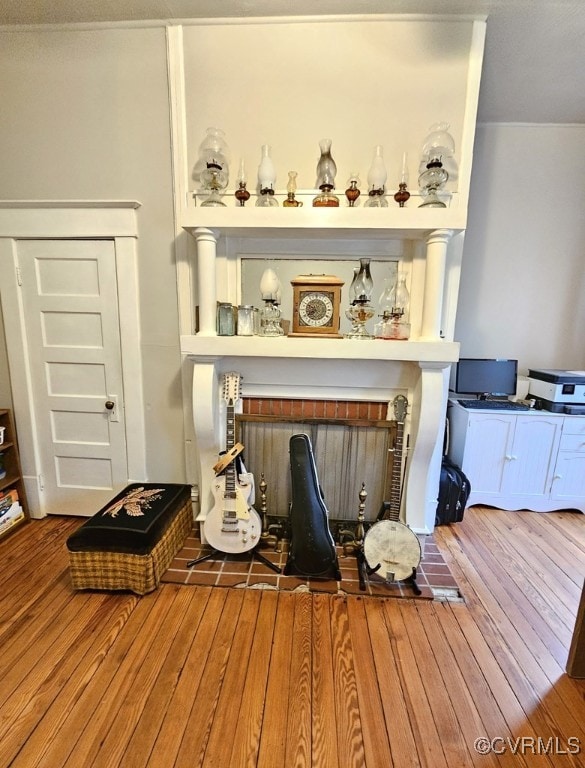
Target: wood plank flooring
<point>232,678</point>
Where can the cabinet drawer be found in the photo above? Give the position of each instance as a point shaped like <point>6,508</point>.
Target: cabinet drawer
<point>572,442</point>
<point>574,425</point>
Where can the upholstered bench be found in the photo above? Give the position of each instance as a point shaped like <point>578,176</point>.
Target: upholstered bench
<point>130,542</point>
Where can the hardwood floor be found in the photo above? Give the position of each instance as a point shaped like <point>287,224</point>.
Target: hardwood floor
<point>198,676</point>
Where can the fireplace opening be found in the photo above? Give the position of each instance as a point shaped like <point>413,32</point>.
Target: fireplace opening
<point>352,442</point>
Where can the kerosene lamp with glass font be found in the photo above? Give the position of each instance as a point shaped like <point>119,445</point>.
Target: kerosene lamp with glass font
<point>360,295</point>
<point>326,172</point>
<point>241,194</point>
<point>437,165</point>
<point>212,167</point>
<point>291,188</point>
<point>266,179</point>
<point>270,290</point>
<point>377,176</point>
<point>394,307</point>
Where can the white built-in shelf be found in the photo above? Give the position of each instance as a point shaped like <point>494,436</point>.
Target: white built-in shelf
<point>394,222</point>
<point>320,349</point>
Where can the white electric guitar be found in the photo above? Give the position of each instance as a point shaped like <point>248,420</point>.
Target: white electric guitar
<point>232,525</point>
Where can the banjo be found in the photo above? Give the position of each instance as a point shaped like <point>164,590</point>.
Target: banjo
<point>390,546</point>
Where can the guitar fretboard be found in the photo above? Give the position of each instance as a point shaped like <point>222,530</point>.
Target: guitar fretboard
<point>230,470</point>
<point>395,492</point>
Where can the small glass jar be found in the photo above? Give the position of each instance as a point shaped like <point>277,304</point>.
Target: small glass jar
<point>245,320</point>
<point>226,325</point>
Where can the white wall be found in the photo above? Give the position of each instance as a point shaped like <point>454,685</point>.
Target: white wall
<point>85,115</point>
<point>522,291</point>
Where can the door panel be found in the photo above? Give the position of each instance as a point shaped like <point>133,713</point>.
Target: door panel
<point>71,312</point>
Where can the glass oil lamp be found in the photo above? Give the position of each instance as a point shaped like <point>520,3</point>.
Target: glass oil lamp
<point>326,172</point>
<point>270,290</point>
<point>291,188</point>
<point>394,305</point>
<point>403,195</point>
<point>360,309</point>
<point>377,176</point>
<point>212,167</point>
<point>352,192</point>
<point>242,195</point>
<point>266,179</point>
<point>437,154</point>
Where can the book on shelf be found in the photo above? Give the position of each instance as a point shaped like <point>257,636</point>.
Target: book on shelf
<point>11,517</point>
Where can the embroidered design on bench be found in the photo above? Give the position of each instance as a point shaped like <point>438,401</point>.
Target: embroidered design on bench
<point>135,502</point>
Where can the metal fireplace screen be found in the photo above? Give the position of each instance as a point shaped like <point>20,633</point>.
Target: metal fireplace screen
<point>352,444</point>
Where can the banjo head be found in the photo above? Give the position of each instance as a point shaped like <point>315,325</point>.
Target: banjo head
<point>393,546</point>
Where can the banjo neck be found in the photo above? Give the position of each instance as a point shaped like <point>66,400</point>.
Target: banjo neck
<point>396,478</point>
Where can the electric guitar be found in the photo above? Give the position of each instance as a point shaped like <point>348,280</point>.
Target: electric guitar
<point>233,525</point>
<point>389,545</point>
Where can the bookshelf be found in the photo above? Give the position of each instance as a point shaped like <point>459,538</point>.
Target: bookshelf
<point>13,506</point>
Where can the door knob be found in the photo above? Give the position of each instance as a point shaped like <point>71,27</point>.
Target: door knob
<point>110,405</point>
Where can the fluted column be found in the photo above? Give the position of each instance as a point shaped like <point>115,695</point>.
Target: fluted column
<point>206,280</point>
<point>436,260</point>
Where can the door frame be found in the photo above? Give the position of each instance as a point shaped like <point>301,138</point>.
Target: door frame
<point>71,220</point>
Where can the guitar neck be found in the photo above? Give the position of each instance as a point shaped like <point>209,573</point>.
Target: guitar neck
<point>230,441</point>
<point>396,480</point>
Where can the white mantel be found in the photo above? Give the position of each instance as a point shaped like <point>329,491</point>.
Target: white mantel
<point>283,105</point>
<point>327,369</point>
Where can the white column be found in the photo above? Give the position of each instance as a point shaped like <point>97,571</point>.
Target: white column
<point>436,260</point>
<point>206,281</point>
<point>424,460</point>
<point>205,403</point>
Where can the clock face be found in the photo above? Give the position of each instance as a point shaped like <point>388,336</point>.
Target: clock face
<point>316,309</point>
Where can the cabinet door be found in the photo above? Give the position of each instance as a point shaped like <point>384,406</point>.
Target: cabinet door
<point>530,463</point>
<point>488,443</point>
<point>569,477</point>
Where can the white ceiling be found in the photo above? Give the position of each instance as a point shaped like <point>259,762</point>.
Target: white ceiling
<point>534,65</point>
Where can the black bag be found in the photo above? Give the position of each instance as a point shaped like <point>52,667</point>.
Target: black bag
<point>454,490</point>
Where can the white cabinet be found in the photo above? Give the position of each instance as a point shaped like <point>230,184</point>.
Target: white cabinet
<point>522,460</point>
<point>569,475</point>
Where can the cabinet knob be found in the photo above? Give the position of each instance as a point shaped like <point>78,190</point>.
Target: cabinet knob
<point>110,405</point>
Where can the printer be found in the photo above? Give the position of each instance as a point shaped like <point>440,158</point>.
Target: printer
<point>558,391</point>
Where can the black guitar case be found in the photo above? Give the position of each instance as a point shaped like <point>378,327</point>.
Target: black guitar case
<point>312,549</point>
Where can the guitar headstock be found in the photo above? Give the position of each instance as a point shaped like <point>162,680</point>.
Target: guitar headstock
<point>400,404</point>
<point>231,387</point>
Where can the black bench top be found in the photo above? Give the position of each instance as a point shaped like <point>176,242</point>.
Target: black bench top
<point>134,521</point>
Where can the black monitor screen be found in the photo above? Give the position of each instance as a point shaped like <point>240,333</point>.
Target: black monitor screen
<point>471,376</point>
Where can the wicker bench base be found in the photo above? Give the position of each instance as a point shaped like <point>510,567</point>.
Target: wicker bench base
<point>139,573</point>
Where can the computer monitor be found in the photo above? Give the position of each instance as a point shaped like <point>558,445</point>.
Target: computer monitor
<point>481,377</point>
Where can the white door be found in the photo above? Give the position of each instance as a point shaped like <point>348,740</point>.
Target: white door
<point>70,303</point>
